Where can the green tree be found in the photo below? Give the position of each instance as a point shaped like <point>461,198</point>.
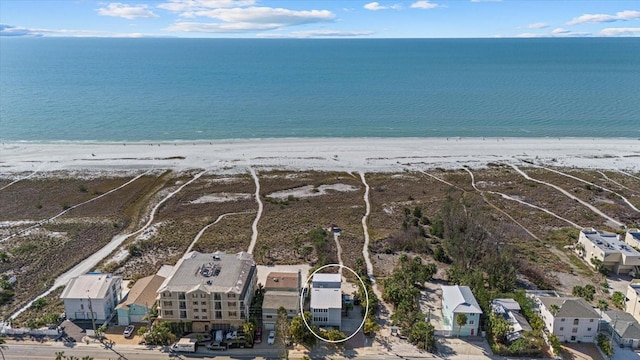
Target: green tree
<point>618,299</point>
<point>39,304</point>
<point>554,309</point>
<point>300,333</point>
<point>605,345</point>
<point>2,347</point>
<point>500,327</point>
<point>370,326</point>
<point>422,335</point>
<point>249,329</point>
<point>160,334</point>
<point>282,330</point>
<point>603,305</point>
<point>334,335</point>
<point>461,320</point>
<point>142,330</point>
<point>555,344</point>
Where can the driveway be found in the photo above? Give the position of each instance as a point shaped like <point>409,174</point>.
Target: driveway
<point>582,351</point>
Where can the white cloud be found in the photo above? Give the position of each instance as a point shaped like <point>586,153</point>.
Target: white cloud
<point>127,11</point>
<point>317,33</point>
<point>8,30</point>
<point>238,27</point>
<point>267,15</point>
<point>531,35</point>
<point>620,32</point>
<point>375,6</point>
<point>600,18</point>
<point>538,25</point>
<point>197,5</point>
<point>424,4</point>
<point>558,31</point>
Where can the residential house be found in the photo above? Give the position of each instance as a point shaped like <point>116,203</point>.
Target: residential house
<point>141,298</point>
<point>282,289</point>
<point>212,291</point>
<point>609,251</point>
<point>92,296</point>
<point>632,305</point>
<point>326,300</point>
<point>510,310</point>
<point>632,237</point>
<point>625,328</point>
<point>460,300</point>
<point>570,319</point>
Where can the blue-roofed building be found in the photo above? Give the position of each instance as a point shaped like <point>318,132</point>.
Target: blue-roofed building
<point>460,300</point>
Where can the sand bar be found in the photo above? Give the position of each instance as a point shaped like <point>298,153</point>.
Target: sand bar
<point>330,154</point>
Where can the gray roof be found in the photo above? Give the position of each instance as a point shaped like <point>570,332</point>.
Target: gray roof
<point>217,272</point>
<point>85,286</point>
<point>625,325</point>
<point>460,299</point>
<point>327,278</point>
<point>509,304</point>
<point>275,299</point>
<point>326,298</point>
<point>143,292</point>
<point>609,242</point>
<point>570,307</point>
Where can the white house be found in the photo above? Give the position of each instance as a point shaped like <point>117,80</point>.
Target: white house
<point>570,319</point>
<point>610,250</point>
<point>460,300</point>
<point>626,330</point>
<point>510,310</point>
<point>326,300</point>
<point>632,305</point>
<point>92,292</point>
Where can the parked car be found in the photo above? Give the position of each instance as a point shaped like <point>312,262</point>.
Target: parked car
<point>356,300</point>
<point>217,346</point>
<point>272,337</point>
<point>257,336</point>
<point>128,331</point>
<point>231,335</point>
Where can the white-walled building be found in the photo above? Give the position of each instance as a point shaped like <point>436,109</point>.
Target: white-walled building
<point>326,300</point>
<point>93,292</point>
<point>623,326</point>
<point>570,319</point>
<point>632,237</point>
<point>632,305</point>
<point>460,300</point>
<point>615,254</point>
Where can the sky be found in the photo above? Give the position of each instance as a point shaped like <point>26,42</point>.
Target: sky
<point>320,19</point>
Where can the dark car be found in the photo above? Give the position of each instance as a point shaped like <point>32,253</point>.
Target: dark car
<point>257,336</point>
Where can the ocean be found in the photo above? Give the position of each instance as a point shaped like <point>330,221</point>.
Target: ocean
<point>92,89</point>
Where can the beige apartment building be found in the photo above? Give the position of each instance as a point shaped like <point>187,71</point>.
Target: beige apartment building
<point>610,250</point>
<point>212,291</point>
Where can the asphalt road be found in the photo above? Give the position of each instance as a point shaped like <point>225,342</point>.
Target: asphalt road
<point>34,351</point>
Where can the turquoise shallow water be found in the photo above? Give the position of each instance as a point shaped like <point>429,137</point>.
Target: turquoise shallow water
<point>166,89</point>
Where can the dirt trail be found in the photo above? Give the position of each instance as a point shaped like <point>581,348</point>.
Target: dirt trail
<point>197,237</point>
<point>20,179</point>
<point>566,193</point>
<point>339,248</point>
<point>473,183</point>
<point>90,262</point>
<point>592,184</point>
<point>42,222</point>
<point>615,182</point>
<point>254,226</point>
<point>629,175</point>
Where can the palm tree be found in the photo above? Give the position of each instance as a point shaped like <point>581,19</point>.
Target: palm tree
<point>2,347</point>
<point>554,309</point>
<point>461,320</point>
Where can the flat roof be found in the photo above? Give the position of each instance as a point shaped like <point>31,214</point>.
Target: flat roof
<point>276,299</point>
<point>326,298</point>
<point>282,280</point>
<point>216,272</point>
<point>609,242</point>
<point>327,278</point>
<point>86,286</point>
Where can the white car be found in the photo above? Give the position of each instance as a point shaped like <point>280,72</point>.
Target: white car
<point>272,337</point>
<point>232,335</point>
<point>128,331</point>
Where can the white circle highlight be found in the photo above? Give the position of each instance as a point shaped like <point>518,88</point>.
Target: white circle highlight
<point>366,294</point>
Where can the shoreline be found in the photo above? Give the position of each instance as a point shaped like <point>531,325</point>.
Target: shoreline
<point>328,154</point>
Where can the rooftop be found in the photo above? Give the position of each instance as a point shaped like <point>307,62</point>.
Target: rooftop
<point>90,285</point>
<point>216,272</point>
<point>508,304</point>
<point>288,300</point>
<point>609,242</point>
<point>570,307</point>
<point>327,278</point>
<point>635,233</point>
<point>624,323</point>
<point>461,299</point>
<point>326,298</point>
<point>282,280</point>
<point>143,292</point>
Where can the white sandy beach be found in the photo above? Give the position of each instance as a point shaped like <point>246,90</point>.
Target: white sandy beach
<point>339,154</point>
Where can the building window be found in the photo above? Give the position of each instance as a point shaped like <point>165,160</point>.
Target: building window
<point>203,303</point>
<point>588,329</point>
<point>183,314</point>
<point>470,322</point>
<point>204,310</point>
<point>204,317</point>
<point>561,328</point>
<point>218,305</point>
<point>194,295</point>
<point>269,316</point>
<point>181,296</point>
<point>216,296</point>
<point>590,320</point>
<point>183,305</point>
<point>168,313</point>
<point>574,330</point>
<point>231,296</point>
<point>195,310</point>
<point>203,295</point>
<point>233,314</point>
<point>81,306</point>
<point>218,314</point>
<point>167,303</point>
<point>195,303</point>
<point>196,317</point>
<point>576,321</point>
<point>562,320</point>
<point>231,304</point>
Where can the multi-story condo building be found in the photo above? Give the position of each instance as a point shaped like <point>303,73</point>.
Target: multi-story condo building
<point>212,291</point>
<point>609,251</point>
<point>92,296</point>
<point>326,300</point>
<point>570,319</point>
